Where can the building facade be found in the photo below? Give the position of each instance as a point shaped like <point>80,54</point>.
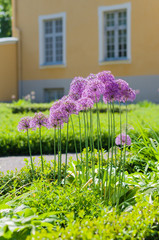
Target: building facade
<point>58,40</point>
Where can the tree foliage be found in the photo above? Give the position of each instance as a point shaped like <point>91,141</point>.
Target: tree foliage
<point>5,18</point>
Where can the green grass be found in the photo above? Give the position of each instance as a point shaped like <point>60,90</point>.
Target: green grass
<point>13,142</point>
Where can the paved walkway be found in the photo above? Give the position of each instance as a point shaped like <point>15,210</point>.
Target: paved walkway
<point>17,162</point>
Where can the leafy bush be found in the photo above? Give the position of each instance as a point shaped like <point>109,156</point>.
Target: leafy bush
<point>22,221</point>
<point>141,223</point>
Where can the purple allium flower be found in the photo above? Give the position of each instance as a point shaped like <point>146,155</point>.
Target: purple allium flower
<point>111,91</point>
<point>77,86</point>
<point>105,76</point>
<point>69,106</point>
<point>56,105</point>
<point>123,139</point>
<point>124,91</point>
<point>58,117</point>
<point>91,76</point>
<point>39,120</point>
<point>74,96</point>
<point>94,89</point>
<point>131,95</point>
<point>24,124</point>
<point>84,103</point>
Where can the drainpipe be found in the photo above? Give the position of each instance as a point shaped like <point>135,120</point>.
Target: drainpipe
<point>17,33</point>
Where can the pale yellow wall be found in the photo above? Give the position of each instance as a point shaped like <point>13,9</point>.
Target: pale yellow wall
<point>8,71</point>
<point>82,38</point>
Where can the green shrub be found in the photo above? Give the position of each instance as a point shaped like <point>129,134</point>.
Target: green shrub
<point>141,223</point>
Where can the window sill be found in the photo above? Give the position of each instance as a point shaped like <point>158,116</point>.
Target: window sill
<point>44,66</point>
<point>115,62</point>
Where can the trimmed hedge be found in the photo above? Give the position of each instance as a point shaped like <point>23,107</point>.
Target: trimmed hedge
<point>35,107</point>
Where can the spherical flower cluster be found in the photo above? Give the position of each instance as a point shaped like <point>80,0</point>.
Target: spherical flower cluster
<point>55,105</point>
<point>84,103</point>
<point>123,139</point>
<point>91,76</point>
<point>111,91</point>
<point>105,76</point>
<point>125,93</point>
<point>58,118</point>
<point>24,124</point>
<point>39,120</point>
<point>69,106</point>
<point>77,86</point>
<point>94,89</point>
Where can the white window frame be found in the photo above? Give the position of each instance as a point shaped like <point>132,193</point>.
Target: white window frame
<point>101,11</point>
<point>43,18</point>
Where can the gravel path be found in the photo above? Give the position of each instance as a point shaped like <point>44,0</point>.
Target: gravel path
<point>17,162</point>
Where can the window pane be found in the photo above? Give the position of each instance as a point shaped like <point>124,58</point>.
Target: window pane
<point>48,49</point>
<point>110,49</point>
<point>58,24</point>
<point>48,27</point>
<point>53,43</point>
<point>122,46</point>
<point>122,18</point>
<point>59,49</point>
<point>115,35</point>
<point>110,19</point>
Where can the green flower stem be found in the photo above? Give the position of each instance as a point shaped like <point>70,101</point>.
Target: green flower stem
<point>124,157</point>
<point>106,187</point>
<point>54,153</point>
<point>32,166</point>
<point>82,164</point>
<point>86,144</point>
<point>58,155</point>
<point>120,162</point>
<point>92,147</point>
<point>79,119</point>
<point>112,144</point>
<point>88,135</point>
<point>98,147</point>
<point>100,139</point>
<point>115,191</point>
<point>74,142</point>
<point>42,163</point>
<point>66,153</point>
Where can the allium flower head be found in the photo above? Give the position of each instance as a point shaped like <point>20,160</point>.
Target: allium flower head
<point>58,117</point>
<point>24,124</point>
<point>111,91</point>
<point>124,91</point>
<point>94,89</point>
<point>91,76</point>
<point>131,95</point>
<point>123,139</point>
<point>84,103</point>
<point>69,106</point>
<point>39,120</point>
<point>55,105</point>
<point>77,86</point>
<point>105,76</point>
